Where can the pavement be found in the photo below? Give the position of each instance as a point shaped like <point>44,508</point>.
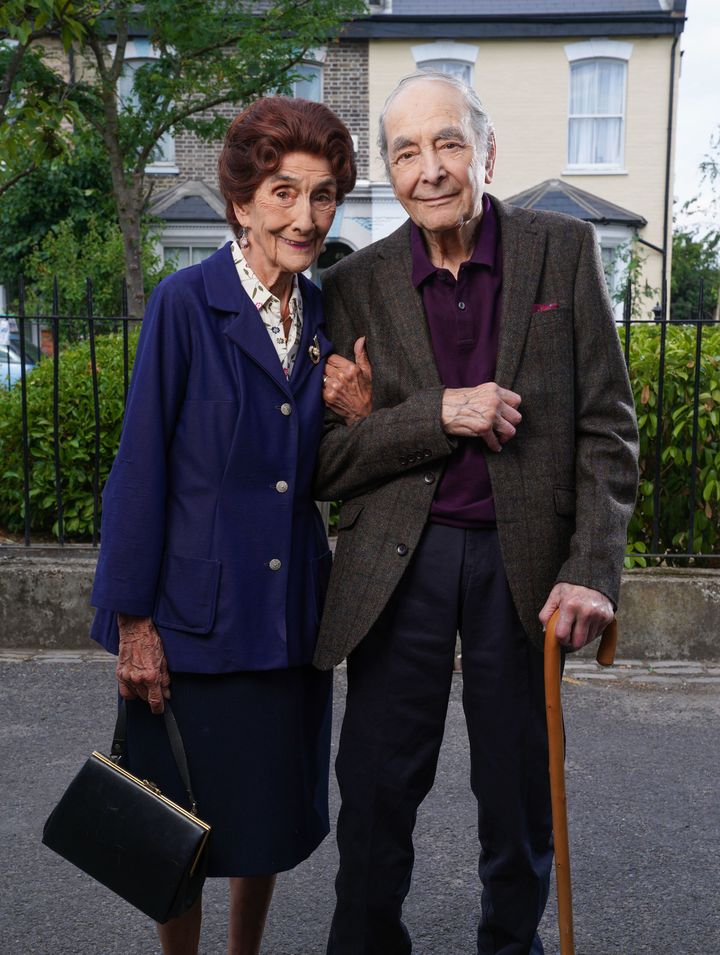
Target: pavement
<point>642,778</point>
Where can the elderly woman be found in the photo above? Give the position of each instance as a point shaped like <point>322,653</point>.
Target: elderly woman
<point>214,559</point>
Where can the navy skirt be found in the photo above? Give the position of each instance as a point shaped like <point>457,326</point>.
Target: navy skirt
<point>258,749</point>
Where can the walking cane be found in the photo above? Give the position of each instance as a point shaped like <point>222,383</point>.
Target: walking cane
<point>556,747</point>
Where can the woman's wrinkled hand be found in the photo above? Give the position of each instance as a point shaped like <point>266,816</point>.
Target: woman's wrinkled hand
<point>142,669</point>
<point>347,385</point>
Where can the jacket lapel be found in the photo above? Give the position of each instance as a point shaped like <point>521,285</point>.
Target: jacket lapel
<point>394,295</point>
<point>523,247</point>
<point>245,329</point>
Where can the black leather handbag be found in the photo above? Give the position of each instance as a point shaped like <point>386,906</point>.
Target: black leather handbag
<point>123,832</point>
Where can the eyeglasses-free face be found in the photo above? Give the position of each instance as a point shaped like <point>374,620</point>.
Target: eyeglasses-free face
<point>289,216</point>
<point>434,167</point>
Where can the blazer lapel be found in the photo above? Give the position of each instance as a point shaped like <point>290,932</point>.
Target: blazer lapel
<point>394,295</point>
<point>245,329</point>
<point>523,246</point>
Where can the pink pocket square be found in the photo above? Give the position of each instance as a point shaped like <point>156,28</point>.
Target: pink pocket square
<point>545,307</point>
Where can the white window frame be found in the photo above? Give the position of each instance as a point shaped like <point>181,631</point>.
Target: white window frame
<point>189,235</point>
<point>435,56</point>
<point>592,51</point>
<point>138,52</point>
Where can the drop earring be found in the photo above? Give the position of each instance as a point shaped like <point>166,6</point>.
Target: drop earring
<point>244,244</point>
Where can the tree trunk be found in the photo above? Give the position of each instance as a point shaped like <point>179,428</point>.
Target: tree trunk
<point>129,201</point>
<point>128,192</point>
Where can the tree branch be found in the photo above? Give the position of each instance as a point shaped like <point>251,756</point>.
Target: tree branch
<point>4,186</point>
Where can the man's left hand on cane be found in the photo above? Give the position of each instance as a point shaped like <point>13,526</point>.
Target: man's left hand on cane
<point>584,614</point>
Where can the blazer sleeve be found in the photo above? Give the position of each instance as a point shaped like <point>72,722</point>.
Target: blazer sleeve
<point>606,440</point>
<point>134,498</point>
<point>356,458</point>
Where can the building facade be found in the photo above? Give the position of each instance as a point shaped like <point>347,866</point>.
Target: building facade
<point>582,94</point>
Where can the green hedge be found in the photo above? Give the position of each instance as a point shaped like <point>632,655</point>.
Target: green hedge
<point>77,431</point>
<point>676,440</point>
<point>77,437</point>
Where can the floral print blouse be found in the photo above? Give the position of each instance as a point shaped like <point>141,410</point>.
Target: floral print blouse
<point>268,306</point>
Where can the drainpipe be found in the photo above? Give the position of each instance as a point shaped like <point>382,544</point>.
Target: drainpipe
<point>668,180</point>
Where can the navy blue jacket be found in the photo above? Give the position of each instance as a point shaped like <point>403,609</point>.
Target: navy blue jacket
<point>198,530</point>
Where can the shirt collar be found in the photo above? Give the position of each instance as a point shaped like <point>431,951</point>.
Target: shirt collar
<point>484,253</point>
<point>261,296</point>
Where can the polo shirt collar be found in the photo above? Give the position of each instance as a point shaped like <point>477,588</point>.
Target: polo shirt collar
<point>484,253</point>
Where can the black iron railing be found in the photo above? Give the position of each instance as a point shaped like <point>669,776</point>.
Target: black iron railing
<point>701,376</point>
<point>646,345</point>
<point>51,334</point>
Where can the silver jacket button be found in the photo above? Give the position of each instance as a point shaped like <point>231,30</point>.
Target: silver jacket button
<point>275,564</point>
<point>281,487</point>
<point>286,408</point>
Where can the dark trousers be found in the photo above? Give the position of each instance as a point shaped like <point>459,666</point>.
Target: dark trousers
<point>398,687</point>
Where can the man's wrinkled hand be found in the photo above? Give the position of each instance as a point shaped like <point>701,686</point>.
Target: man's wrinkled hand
<point>584,614</point>
<point>142,668</point>
<point>486,411</point>
<point>347,385</point>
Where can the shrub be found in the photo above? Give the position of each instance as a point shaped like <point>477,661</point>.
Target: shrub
<point>676,440</point>
<point>76,436</point>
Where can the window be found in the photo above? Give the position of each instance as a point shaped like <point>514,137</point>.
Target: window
<point>615,249</point>
<point>463,71</point>
<point>309,85</point>
<point>180,256</point>
<point>456,59</point>
<point>596,115</point>
<point>137,54</point>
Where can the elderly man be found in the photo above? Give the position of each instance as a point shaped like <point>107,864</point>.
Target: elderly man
<point>491,484</point>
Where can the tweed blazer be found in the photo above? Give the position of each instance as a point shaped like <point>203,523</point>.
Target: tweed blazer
<point>564,487</point>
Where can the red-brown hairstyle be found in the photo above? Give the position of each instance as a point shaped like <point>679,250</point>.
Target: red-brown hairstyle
<point>265,132</point>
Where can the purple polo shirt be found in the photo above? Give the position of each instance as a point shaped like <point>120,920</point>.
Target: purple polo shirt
<point>463,316</point>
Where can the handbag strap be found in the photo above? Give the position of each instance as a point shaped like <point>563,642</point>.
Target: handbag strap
<point>117,749</point>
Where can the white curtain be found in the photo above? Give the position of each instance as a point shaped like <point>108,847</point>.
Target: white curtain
<point>463,71</point>
<point>597,106</point>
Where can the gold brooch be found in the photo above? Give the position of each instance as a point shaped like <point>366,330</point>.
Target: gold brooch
<point>314,351</point>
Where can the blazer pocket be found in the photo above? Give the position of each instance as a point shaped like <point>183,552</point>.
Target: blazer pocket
<point>561,313</point>
<point>187,596</point>
<point>349,514</point>
<point>564,498</point>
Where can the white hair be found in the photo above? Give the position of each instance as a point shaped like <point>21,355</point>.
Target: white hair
<point>480,122</point>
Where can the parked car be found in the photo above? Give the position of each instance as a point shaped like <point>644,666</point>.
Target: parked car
<point>32,352</point>
<point>10,365</point>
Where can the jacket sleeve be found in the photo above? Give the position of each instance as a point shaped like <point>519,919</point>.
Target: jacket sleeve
<point>134,498</point>
<point>391,440</point>
<point>606,439</point>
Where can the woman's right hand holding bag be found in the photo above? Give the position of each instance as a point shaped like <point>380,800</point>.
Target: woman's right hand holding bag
<point>142,668</point>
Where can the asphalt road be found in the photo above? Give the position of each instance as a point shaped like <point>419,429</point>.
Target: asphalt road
<point>642,768</point>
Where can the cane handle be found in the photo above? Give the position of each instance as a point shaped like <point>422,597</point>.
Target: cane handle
<point>608,644</point>
<point>608,641</point>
